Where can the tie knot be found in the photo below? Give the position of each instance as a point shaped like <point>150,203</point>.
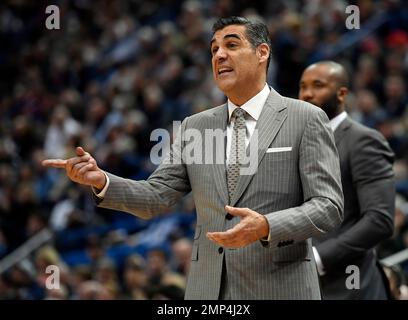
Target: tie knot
<point>238,113</point>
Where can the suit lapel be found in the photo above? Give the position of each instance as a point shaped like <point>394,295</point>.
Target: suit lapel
<point>220,120</point>
<point>270,121</point>
<point>340,131</point>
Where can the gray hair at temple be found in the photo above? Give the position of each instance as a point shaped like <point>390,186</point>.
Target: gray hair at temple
<point>256,31</point>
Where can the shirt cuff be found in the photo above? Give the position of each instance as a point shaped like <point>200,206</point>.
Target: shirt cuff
<point>320,267</point>
<point>267,239</point>
<point>102,193</point>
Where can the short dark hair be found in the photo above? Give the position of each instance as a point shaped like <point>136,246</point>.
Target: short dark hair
<point>256,31</point>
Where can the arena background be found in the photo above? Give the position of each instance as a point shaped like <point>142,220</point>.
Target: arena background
<point>116,70</point>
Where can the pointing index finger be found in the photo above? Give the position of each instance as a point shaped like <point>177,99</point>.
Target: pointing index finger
<point>55,163</point>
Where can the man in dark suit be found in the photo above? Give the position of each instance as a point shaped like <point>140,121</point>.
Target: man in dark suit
<point>345,256</point>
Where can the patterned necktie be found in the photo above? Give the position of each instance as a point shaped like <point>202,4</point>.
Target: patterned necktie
<point>237,151</point>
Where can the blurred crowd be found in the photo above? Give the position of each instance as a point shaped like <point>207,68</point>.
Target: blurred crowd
<point>117,70</point>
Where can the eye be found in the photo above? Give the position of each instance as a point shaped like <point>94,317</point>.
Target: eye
<point>232,45</point>
<point>214,50</point>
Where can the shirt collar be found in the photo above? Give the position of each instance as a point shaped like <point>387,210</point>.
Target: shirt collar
<point>337,120</point>
<point>254,105</point>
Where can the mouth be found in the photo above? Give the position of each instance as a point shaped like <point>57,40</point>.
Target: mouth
<point>224,70</point>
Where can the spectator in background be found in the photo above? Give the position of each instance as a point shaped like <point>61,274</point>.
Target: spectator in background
<point>368,111</point>
<point>22,277</point>
<point>93,290</point>
<point>166,292</point>
<point>7,290</point>
<point>60,293</point>
<point>106,275</point>
<point>396,243</point>
<point>159,272</point>
<point>61,129</point>
<point>181,253</point>
<point>46,257</point>
<point>396,281</point>
<point>95,251</point>
<point>396,98</point>
<point>368,185</point>
<point>135,278</point>
<point>79,275</point>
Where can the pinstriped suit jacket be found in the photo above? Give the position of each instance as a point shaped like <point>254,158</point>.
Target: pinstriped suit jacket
<point>299,192</point>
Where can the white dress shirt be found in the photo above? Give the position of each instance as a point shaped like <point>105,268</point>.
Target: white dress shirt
<point>253,107</point>
<point>337,120</point>
<point>334,124</point>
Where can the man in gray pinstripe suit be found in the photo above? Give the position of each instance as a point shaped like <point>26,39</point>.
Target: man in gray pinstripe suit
<point>252,238</point>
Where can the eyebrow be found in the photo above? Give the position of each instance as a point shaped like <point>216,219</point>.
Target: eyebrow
<point>230,35</point>
<point>314,81</point>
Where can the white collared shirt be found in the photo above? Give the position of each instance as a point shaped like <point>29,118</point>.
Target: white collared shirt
<point>334,124</point>
<point>253,107</point>
<point>337,120</point>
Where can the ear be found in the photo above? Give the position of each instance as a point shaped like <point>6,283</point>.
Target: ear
<point>342,93</point>
<point>263,52</point>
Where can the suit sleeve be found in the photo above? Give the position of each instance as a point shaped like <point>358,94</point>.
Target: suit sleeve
<point>319,170</point>
<point>155,195</point>
<point>373,179</point>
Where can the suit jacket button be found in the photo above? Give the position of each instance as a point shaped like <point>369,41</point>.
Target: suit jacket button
<point>220,250</point>
<point>228,216</point>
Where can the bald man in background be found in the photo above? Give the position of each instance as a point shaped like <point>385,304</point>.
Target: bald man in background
<point>368,184</point>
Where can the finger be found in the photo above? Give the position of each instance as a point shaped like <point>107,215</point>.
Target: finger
<point>55,163</point>
<point>215,240</point>
<point>73,161</point>
<point>239,212</point>
<point>80,151</point>
<point>223,236</point>
<point>231,238</point>
<point>79,166</point>
<point>228,243</point>
<point>85,168</point>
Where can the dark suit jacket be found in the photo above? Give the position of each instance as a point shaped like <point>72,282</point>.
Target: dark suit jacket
<point>369,192</point>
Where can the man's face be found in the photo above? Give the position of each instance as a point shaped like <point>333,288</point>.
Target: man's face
<point>320,88</point>
<point>235,63</point>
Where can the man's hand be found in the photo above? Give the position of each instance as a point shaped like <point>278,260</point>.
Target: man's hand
<point>82,169</point>
<point>252,227</point>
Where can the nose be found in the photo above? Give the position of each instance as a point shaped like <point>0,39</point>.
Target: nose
<point>221,54</point>
<point>305,94</point>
